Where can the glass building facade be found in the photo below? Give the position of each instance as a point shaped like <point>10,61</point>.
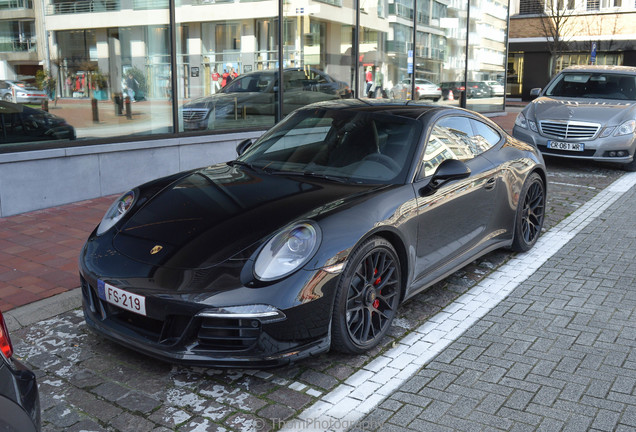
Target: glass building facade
<point>120,70</point>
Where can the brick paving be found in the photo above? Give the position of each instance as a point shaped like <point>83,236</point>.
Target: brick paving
<point>39,250</point>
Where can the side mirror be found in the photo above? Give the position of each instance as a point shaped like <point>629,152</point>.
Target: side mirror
<point>450,169</point>
<point>535,92</point>
<point>243,145</point>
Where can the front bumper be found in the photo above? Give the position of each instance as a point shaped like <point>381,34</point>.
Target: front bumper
<point>597,149</point>
<point>179,328</point>
<point>30,99</point>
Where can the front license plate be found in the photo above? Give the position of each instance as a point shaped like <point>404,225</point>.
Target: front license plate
<point>121,298</point>
<point>557,145</point>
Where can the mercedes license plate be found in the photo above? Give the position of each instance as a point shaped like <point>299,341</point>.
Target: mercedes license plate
<point>558,145</point>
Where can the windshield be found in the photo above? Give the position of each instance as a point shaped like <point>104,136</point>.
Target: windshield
<point>594,85</point>
<point>349,146</point>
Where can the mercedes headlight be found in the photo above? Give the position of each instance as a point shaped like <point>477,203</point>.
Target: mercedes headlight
<point>116,211</point>
<point>626,128</point>
<point>521,121</point>
<point>287,251</point>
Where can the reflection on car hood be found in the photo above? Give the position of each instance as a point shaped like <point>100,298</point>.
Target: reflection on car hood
<point>214,213</point>
<point>586,110</point>
<point>226,99</point>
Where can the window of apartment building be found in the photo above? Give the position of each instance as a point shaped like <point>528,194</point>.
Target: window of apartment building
<point>592,5</point>
<point>573,59</point>
<point>16,4</point>
<point>486,58</point>
<point>610,4</point>
<point>531,7</point>
<point>18,35</point>
<point>125,70</point>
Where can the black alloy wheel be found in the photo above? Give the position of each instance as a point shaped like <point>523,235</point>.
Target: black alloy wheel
<point>530,214</point>
<point>367,298</point>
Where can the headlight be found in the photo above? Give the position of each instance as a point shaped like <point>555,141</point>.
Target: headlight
<point>607,131</point>
<point>287,251</point>
<point>626,128</point>
<point>116,211</point>
<point>521,121</point>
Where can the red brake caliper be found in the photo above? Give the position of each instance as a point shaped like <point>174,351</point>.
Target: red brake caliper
<point>376,302</point>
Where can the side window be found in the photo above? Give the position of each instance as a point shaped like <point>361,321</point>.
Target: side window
<point>459,138</point>
<point>485,137</point>
<point>450,139</point>
<point>294,80</point>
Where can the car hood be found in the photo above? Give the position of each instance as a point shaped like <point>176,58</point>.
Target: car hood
<point>226,99</point>
<point>606,112</point>
<point>217,213</point>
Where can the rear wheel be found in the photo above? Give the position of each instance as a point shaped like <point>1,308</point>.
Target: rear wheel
<point>367,297</point>
<point>8,97</point>
<point>530,214</point>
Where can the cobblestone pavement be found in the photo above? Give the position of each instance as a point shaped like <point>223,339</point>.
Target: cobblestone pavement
<point>557,354</point>
<point>90,384</point>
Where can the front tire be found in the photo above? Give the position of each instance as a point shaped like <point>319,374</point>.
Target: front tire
<point>367,297</point>
<point>530,214</point>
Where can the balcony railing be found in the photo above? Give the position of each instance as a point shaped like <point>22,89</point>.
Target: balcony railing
<point>208,2</point>
<point>83,6</point>
<point>150,4</point>
<point>18,46</point>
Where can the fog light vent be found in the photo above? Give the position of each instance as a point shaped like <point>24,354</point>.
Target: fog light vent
<point>228,334</point>
<point>616,153</point>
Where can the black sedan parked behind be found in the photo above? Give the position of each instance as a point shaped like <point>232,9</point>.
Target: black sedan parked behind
<point>19,123</point>
<point>19,398</point>
<point>312,237</point>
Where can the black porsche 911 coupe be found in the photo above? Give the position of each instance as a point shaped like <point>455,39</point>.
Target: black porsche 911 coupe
<point>312,237</point>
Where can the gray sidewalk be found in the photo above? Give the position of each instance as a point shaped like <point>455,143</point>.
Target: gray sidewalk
<point>557,354</point>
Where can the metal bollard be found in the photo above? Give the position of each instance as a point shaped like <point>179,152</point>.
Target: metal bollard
<point>95,110</point>
<point>119,105</point>
<point>128,110</point>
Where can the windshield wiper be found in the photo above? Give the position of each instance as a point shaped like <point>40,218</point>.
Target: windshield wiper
<point>338,179</point>
<point>313,174</point>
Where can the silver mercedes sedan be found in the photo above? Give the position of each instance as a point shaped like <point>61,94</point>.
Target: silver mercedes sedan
<point>585,112</point>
